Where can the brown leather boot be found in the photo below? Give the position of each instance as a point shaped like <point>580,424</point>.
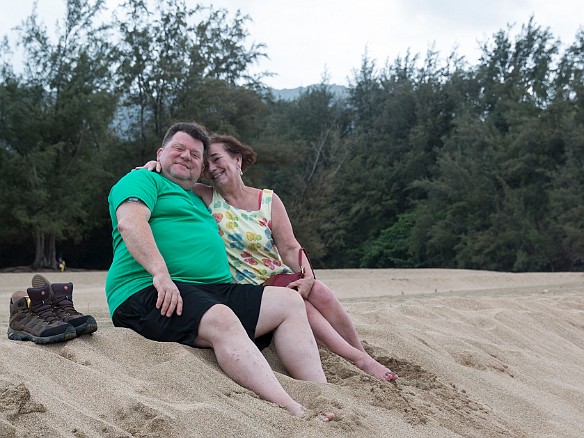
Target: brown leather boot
<point>61,298</point>
<point>32,319</point>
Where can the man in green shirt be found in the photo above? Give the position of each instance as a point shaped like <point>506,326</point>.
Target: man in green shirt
<point>170,279</point>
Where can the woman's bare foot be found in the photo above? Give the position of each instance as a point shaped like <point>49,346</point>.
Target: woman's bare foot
<point>326,417</point>
<point>371,366</point>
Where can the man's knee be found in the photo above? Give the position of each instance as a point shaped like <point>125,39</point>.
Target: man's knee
<point>278,305</point>
<point>293,304</point>
<point>286,298</point>
<point>218,321</point>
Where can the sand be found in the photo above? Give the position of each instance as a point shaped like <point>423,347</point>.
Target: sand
<point>478,354</point>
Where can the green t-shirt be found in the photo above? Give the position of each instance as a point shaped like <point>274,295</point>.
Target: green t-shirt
<point>185,232</point>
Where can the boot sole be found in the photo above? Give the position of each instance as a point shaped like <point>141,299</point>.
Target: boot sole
<point>87,328</point>
<point>17,335</point>
<point>39,281</point>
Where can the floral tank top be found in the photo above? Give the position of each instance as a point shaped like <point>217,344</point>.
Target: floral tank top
<point>247,235</point>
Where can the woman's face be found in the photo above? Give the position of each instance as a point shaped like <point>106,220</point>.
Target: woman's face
<point>221,167</point>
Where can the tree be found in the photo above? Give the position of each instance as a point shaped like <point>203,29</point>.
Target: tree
<point>55,121</point>
<point>309,135</point>
<point>401,116</point>
<point>567,192</point>
<point>488,201</point>
<point>169,54</point>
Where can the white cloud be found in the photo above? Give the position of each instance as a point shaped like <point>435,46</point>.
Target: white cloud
<point>306,37</point>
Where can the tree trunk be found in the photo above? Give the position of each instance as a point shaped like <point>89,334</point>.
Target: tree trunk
<point>45,251</point>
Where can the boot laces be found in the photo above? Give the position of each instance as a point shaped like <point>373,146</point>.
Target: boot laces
<point>44,311</point>
<point>65,304</point>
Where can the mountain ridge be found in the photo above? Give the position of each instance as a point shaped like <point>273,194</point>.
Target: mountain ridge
<point>289,94</point>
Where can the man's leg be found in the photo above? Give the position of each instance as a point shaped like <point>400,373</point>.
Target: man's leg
<point>239,357</point>
<point>283,312</point>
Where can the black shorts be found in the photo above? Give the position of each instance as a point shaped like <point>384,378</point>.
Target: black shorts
<point>140,314</point>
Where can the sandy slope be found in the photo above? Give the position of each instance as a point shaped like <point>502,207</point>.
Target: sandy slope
<point>478,354</point>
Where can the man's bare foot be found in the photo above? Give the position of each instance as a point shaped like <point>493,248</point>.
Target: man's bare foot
<point>371,366</point>
<point>298,410</point>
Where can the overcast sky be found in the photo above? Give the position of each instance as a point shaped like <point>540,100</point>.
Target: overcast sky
<point>305,38</point>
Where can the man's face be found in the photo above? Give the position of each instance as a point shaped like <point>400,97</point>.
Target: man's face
<point>181,159</point>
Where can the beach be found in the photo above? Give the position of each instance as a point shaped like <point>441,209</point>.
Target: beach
<point>478,353</point>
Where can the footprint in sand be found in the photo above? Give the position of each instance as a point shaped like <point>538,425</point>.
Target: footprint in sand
<point>15,400</point>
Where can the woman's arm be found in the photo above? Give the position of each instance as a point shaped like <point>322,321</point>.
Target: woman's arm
<point>288,246</point>
<point>204,192</point>
<point>152,166</point>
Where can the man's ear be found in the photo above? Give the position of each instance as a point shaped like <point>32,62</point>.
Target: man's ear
<point>158,152</point>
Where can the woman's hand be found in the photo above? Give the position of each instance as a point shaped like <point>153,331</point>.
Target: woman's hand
<point>303,286</point>
<point>152,166</point>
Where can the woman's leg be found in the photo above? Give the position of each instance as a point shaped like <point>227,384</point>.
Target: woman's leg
<point>325,301</point>
<point>330,339</point>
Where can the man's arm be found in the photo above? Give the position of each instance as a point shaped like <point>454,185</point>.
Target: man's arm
<point>135,230</point>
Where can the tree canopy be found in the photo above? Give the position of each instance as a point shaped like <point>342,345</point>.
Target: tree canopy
<point>429,161</point>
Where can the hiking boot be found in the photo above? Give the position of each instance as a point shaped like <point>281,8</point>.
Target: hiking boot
<point>32,319</point>
<point>61,298</point>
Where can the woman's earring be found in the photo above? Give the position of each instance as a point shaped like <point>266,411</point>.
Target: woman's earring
<point>240,172</point>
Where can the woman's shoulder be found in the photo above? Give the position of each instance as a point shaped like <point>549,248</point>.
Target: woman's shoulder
<point>265,196</point>
<point>278,206</point>
<point>275,196</point>
<point>204,192</point>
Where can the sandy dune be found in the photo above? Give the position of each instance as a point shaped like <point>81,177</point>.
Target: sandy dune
<point>478,354</point>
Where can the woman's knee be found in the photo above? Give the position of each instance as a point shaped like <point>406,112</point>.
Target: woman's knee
<point>310,309</point>
<point>321,294</point>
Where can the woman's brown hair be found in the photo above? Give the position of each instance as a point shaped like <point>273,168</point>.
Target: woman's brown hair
<point>234,147</point>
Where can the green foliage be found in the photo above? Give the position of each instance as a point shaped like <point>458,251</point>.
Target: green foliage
<point>490,193</point>
<point>55,120</point>
<point>301,151</point>
<point>391,249</point>
<point>171,61</point>
<point>428,163</point>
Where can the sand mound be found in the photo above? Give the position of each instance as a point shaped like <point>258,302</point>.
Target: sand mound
<point>478,354</point>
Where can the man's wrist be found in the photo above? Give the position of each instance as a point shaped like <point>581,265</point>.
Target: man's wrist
<point>161,273</point>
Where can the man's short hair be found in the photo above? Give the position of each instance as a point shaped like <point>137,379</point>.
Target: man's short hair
<point>196,131</point>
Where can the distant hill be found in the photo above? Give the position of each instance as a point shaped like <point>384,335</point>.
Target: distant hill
<point>339,91</point>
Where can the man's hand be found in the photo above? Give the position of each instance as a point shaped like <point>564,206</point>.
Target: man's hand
<point>169,298</point>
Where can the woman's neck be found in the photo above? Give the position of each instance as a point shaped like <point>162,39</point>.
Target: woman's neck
<point>238,195</point>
